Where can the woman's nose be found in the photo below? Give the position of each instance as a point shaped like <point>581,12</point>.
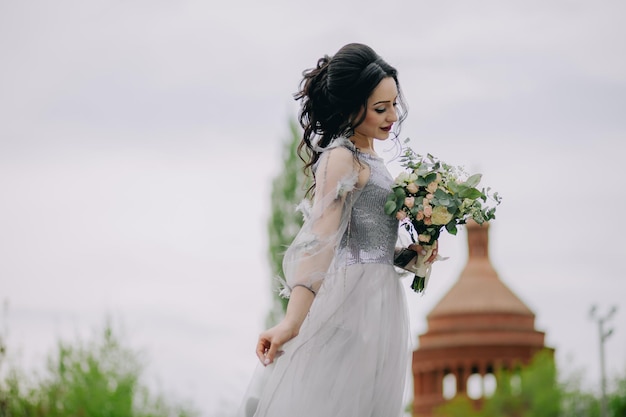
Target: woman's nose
<point>393,115</point>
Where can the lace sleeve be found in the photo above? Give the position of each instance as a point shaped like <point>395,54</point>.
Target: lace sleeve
<point>310,257</point>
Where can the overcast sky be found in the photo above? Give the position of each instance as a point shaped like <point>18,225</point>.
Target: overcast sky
<point>138,141</point>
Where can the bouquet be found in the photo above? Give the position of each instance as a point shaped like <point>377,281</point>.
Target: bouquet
<point>430,196</point>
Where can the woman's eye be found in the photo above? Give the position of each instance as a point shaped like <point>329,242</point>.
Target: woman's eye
<point>380,110</point>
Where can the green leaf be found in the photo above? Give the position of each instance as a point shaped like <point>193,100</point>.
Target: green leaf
<point>400,193</point>
<point>439,193</point>
<point>454,187</point>
<point>451,227</point>
<point>471,193</point>
<point>390,207</point>
<point>442,198</point>
<point>430,177</point>
<point>473,180</point>
<point>455,204</point>
<point>399,202</point>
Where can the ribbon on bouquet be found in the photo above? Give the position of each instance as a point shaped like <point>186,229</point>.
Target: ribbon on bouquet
<point>411,261</point>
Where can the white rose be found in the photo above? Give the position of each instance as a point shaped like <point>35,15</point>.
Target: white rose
<point>402,177</point>
<point>441,215</point>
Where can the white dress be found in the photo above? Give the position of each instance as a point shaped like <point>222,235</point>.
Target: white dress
<point>350,358</point>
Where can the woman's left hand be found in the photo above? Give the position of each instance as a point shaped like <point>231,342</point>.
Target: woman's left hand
<point>271,340</point>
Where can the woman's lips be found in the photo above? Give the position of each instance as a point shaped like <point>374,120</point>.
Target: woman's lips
<point>386,129</point>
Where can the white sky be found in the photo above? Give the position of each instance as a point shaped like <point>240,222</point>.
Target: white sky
<point>138,141</point>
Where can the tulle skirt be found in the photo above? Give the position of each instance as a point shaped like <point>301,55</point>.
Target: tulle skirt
<point>350,358</point>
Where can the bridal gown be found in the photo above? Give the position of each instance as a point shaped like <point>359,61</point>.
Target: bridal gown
<point>350,358</point>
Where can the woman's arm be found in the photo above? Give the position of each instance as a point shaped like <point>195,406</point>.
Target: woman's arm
<point>309,257</point>
<point>272,339</point>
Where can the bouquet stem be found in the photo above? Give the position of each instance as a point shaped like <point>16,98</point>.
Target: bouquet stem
<point>419,283</point>
<point>422,270</point>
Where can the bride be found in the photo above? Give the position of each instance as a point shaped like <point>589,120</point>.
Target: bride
<point>342,348</point>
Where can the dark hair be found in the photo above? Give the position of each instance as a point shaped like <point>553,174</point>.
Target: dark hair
<point>335,91</point>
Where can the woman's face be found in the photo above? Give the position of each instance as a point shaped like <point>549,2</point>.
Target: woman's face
<point>380,113</point>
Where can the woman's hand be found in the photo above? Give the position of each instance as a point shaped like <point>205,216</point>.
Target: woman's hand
<point>422,251</point>
<point>271,340</point>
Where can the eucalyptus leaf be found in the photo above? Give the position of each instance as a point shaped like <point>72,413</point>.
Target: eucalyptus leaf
<point>390,207</point>
<point>442,198</point>
<point>454,186</point>
<point>430,177</point>
<point>440,194</point>
<point>399,202</point>
<point>471,193</point>
<point>473,180</point>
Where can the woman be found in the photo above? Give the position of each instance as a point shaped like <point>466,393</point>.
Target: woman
<point>342,348</point>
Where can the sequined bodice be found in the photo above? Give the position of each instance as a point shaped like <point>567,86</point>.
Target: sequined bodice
<point>371,234</point>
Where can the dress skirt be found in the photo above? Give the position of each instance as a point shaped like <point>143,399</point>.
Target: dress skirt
<point>350,358</point>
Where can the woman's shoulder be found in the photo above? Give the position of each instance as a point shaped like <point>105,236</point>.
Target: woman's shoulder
<point>340,152</point>
<point>341,143</point>
<point>338,165</point>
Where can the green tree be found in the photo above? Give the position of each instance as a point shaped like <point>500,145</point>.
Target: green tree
<point>575,401</point>
<point>459,406</point>
<point>100,378</point>
<point>533,391</point>
<point>617,399</point>
<point>579,403</point>
<point>288,189</point>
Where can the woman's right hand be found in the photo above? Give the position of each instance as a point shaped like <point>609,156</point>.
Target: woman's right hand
<point>422,251</point>
<point>271,340</point>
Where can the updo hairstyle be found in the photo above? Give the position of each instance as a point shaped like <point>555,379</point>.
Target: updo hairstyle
<point>334,96</point>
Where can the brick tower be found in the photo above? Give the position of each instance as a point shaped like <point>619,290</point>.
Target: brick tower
<point>479,326</point>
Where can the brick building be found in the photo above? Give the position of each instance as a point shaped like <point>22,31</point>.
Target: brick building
<point>479,326</point>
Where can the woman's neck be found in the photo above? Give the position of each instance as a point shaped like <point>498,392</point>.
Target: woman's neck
<point>363,143</point>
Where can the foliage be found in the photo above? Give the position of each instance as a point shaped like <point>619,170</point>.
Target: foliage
<point>531,391</point>
<point>537,395</point>
<point>431,195</point>
<point>459,406</point>
<point>100,378</point>
<point>617,399</point>
<point>575,401</point>
<point>434,195</point>
<point>288,189</point>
